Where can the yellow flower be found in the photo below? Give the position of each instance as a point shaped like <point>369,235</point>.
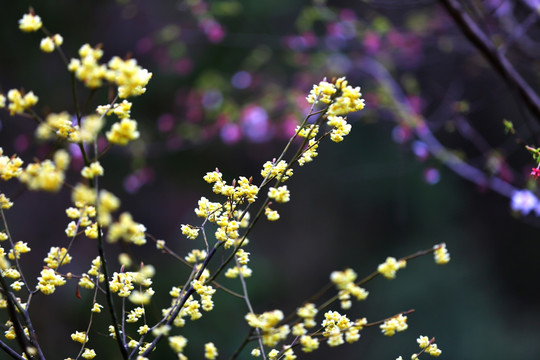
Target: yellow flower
<point>441,254</point>
<point>47,44</point>
<point>389,268</point>
<point>210,351</point>
<point>19,103</point>
<point>396,323</point>
<point>88,353</point>
<point>130,77</point>
<point>281,194</point>
<point>79,337</point>
<point>30,22</point>
<point>123,132</point>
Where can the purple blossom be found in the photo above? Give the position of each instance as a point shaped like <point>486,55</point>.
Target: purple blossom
<point>523,201</point>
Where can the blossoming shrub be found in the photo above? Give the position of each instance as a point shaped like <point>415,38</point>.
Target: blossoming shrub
<point>222,222</point>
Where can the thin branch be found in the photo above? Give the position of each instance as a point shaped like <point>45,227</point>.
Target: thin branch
<point>493,55</point>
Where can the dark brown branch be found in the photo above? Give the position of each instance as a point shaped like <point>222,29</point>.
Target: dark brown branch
<point>495,57</point>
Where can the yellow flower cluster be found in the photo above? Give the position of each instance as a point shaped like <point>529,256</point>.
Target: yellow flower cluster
<point>10,167</point>
<point>57,257</point>
<point>83,213</point>
<point>430,348</point>
<point>49,43</point>
<point>135,314</point>
<point>239,192</point>
<point>279,170</point>
<point>308,130</point>
<point>271,215</point>
<point>177,343</point>
<point>322,92</point>
<point>189,231</point>
<point>225,215</point>
<point>243,258</point>
<point>341,127</point>
<point>123,132</point>
<point>308,313</point>
<point>441,254</point>
<point>389,268</point>
<point>122,283</point>
<point>19,102</point>
<point>210,351</point>
<point>79,336</point>
<point>309,153</point>
<point>348,99</point>
<point>87,69</point>
<point>48,281</point>
<point>5,203</point>
<point>344,281</point>
<point>143,278</point>
<point>88,353</point>
<point>397,323</point>
<point>128,230</point>
<point>281,194</point>
<point>130,78</point>
<point>85,281</point>
<point>93,170</point>
<point>336,325</point>
<point>122,110</point>
<point>267,322</point>
<point>62,126</point>
<point>107,204</point>
<point>205,292</point>
<point>30,22</point>
<point>47,175</point>
<point>195,255</point>
<point>18,248</point>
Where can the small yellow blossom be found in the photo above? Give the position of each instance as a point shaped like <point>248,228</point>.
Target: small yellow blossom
<point>58,39</point>
<point>10,167</point>
<point>441,254</point>
<point>309,153</point>
<point>56,255</point>
<point>396,323</point>
<point>19,103</point>
<point>46,176</point>
<point>256,352</point>
<point>95,169</point>
<point>88,353</point>
<point>143,329</point>
<point>130,78</point>
<point>309,343</point>
<point>322,92</point>
<point>128,230</point>
<point>389,268</point>
<point>281,194</point>
<point>17,285</point>
<point>122,283</point>
<point>5,203</point>
<point>279,170</point>
<point>190,232</point>
<point>48,281</point>
<point>30,22</point>
<point>177,343</point>
<point>96,308</point>
<point>79,337</point>
<point>47,44</point>
<point>18,249</point>
<point>210,351</point>
<point>87,69</point>
<point>271,215</point>
<point>123,132</point>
